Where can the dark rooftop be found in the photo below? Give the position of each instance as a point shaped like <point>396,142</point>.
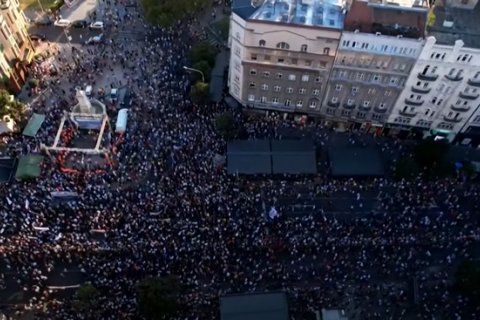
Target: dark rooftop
<point>404,18</point>
<point>466,25</point>
<point>261,306</point>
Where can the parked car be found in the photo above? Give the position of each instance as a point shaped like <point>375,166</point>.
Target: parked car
<point>95,40</point>
<point>79,24</point>
<point>114,94</point>
<point>63,23</point>
<point>43,22</point>
<point>38,37</point>
<point>96,25</point>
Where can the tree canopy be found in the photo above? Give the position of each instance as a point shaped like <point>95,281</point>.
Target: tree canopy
<point>166,13</point>
<point>226,126</point>
<point>203,51</point>
<point>157,297</point>
<point>406,168</point>
<point>467,280</point>
<point>428,152</point>
<point>200,92</point>
<point>10,107</point>
<point>206,70</point>
<point>86,294</point>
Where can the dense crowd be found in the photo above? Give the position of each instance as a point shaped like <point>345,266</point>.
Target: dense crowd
<point>165,207</point>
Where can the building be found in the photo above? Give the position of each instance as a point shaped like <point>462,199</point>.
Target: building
<point>334,314</point>
<point>17,50</point>
<point>282,52</point>
<point>378,49</point>
<point>441,95</point>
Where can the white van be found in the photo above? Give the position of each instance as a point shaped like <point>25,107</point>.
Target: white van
<point>88,91</point>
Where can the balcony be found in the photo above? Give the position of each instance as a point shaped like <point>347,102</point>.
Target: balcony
<point>420,89</point>
<point>366,109</point>
<point>26,52</point>
<point>468,96</point>
<point>349,106</point>
<point>452,120</point>
<point>460,108</point>
<point>411,102</point>
<point>427,76</point>
<point>406,113</point>
<point>333,104</point>
<point>474,82</point>
<point>4,4</point>
<point>380,110</point>
<point>454,78</point>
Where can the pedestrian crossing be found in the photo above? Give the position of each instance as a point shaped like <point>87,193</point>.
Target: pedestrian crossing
<point>208,35</point>
<point>130,35</point>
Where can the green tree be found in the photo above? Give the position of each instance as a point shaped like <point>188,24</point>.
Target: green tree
<point>224,28</point>
<point>200,92</point>
<point>203,51</point>
<point>428,152</point>
<point>86,294</point>
<point>406,168</point>
<point>166,13</point>
<point>468,169</point>
<point>206,70</point>
<point>157,297</point>
<point>226,126</point>
<point>467,280</point>
<point>33,83</point>
<point>11,107</point>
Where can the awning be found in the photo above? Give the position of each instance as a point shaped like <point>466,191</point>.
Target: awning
<point>34,123</point>
<point>29,166</point>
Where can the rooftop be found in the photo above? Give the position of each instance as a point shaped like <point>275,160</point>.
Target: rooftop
<point>317,13</point>
<point>392,18</point>
<point>452,24</point>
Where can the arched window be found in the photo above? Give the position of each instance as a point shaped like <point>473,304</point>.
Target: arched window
<point>304,48</point>
<point>283,45</point>
<point>262,43</point>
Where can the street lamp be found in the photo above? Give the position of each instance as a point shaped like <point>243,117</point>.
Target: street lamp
<point>41,7</point>
<point>195,70</point>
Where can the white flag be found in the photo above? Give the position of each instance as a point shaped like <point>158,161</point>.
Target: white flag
<point>27,205</point>
<point>273,213</point>
<point>9,201</point>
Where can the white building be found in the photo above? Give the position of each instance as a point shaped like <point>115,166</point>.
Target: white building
<point>441,94</point>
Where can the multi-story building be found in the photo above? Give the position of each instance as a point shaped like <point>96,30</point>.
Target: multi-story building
<point>16,48</point>
<point>441,95</point>
<point>378,49</point>
<point>282,52</point>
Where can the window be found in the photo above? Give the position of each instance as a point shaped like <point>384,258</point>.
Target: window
<point>342,61</point>
<point>253,56</point>
<point>264,87</point>
<point>291,77</point>
<point>263,99</point>
<point>238,51</point>
<point>451,72</point>
<point>253,72</point>
<point>305,78</point>
<point>395,66</point>
<point>346,43</point>
<point>388,93</point>
<point>330,111</point>
<point>275,100</point>
<point>403,67</point>
<point>277,88</point>
<point>393,80</point>
<point>283,45</point>
<point>351,102</point>
<point>289,90</point>
<point>299,103</point>
<point>334,99</point>
<point>371,91</point>
<point>343,74</point>
<point>252,84</point>
<point>294,62</point>
<point>266,58</point>
<point>318,79</point>
<point>266,74</point>
<point>326,50</point>
<point>308,63</point>
<point>354,89</point>
<point>302,91</point>
<point>312,104</point>
<point>287,102</point>
<point>278,76</point>
<point>237,35</point>
<point>376,78</point>
<point>338,87</point>
<point>464,1</point>
<point>477,75</point>
<point>382,105</point>
<point>427,112</point>
<point>281,60</point>
<point>366,104</point>
<point>262,43</point>
<point>315,92</point>
<point>361,115</point>
<point>303,48</point>
<point>237,78</point>
<point>346,113</point>
<point>360,76</point>
<point>251,97</point>
<point>476,119</point>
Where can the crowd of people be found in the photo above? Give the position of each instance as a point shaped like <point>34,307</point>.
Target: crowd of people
<point>164,207</point>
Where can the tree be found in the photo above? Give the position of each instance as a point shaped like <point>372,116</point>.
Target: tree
<point>205,69</point>
<point>467,280</point>
<point>86,294</point>
<point>468,169</point>
<point>200,92</point>
<point>11,107</point>
<point>158,297</point>
<point>226,126</point>
<point>224,28</point>
<point>203,51</point>
<point>406,168</point>
<point>33,83</point>
<point>166,13</point>
<point>428,152</point>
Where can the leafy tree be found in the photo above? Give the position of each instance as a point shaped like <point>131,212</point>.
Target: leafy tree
<point>467,280</point>
<point>166,13</point>
<point>428,152</point>
<point>468,169</point>
<point>10,107</point>
<point>157,297</point>
<point>406,168</point>
<point>224,28</point>
<point>206,70</point>
<point>226,126</point>
<point>442,169</point>
<point>203,51</point>
<point>86,294</point>
<point>33,83</point>
<point>200,92</point>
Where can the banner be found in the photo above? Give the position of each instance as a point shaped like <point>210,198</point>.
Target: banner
<point>64,195</point>
<point>89,124</point>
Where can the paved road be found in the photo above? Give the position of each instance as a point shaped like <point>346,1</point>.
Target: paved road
<point>59,35</point>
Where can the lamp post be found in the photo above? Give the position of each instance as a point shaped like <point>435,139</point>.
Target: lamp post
<point>41,7</point>
<point>195,70</point>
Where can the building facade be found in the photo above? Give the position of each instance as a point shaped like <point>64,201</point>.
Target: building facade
<point>373,61</point>
<point>282,53</point>
<point>16,48</point>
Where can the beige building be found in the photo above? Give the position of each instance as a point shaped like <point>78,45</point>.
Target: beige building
<point>16,47</point>
<point>282,53</point>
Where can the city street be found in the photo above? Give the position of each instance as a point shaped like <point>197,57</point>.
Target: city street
<point>59,35</point>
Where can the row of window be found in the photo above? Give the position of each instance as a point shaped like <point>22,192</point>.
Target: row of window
<point>286,46</point>
<point>293,61</point>
<point>264,87</point>
<point>287,102</point>
<point>290,77</point>
<point>424,123</point>
<point>366,63</point>
<point>358,115</point>
<point>365,103</point>
<point>379,48</point>
<point>460,58</point>
<point>354,90</point>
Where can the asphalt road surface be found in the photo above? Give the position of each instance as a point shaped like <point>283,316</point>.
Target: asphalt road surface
<point>59,35</point>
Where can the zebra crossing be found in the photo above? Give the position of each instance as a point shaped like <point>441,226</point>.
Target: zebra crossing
<point>208,35</point>
<point>130,35</point>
